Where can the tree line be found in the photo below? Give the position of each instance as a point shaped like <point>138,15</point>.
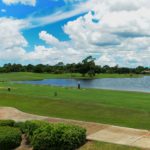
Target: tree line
<point>87,66</point>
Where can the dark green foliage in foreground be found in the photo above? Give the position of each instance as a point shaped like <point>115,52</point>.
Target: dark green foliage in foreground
<point>10,138</point>
<point>58,137</point>
<point>7,123</point>
<point>45,136</point>
<point>30,126</point>
<point>41,135</point>
<point>21,126</point>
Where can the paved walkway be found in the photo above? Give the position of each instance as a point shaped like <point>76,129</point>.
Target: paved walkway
<point>124,136</point>
<point>95,131</point>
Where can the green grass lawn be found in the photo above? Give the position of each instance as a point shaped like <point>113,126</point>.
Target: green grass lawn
<point>105,146</point>
<point>131,109</point>
<point>39,76</point>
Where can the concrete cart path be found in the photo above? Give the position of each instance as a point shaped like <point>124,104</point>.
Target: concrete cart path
<point>95,131</point>
<point>124,136</point>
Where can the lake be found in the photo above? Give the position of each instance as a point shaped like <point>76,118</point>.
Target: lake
<point>126,84</point>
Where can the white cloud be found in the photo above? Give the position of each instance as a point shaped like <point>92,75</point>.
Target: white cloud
<point>117,30</point>
<point>10,35</point>
<point>58,16</point>
<point>56,50</point>
<point>48,55</point>
<point>12,42</point>
<point>24,2</point>
<point>106,59</point>
<point>48,38</point>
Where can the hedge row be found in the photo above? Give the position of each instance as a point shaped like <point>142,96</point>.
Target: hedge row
<point>45,136</point>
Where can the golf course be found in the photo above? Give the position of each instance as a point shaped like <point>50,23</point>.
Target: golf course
<point>121,108</point>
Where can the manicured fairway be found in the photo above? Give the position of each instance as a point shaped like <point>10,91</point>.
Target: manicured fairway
<point>39,76</point>
<point>131,109</point>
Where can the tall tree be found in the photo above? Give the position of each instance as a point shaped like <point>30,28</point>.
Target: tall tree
<point>87,66</point>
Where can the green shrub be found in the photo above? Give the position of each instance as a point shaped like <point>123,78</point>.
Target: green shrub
<point>29,127</point>
<point>10,138</point>
<point>58,137</point>
<point>21,126</point>
<point>7,123</point>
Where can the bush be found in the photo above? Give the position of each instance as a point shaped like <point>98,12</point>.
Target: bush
<point>21,126</point>
<point>58,137</point>
<point>29,127</point>
<point>45,136</point>
<point>7,123</point>
<point>10,138</point>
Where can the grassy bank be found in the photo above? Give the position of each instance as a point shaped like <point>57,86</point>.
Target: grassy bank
<point>39,76</point>
<point>131,109</point>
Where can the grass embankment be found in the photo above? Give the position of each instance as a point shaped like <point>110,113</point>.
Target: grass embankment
<point>131,109</point>
<point>105,146</point>
<point>38,76</point>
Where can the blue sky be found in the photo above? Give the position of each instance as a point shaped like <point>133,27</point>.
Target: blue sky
<point>42,8</point>
<point>49,31</point>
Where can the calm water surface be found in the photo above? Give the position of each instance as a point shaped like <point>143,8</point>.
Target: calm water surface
<point>127,84</point>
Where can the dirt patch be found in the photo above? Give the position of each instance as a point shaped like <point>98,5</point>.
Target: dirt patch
<point>24,145</point>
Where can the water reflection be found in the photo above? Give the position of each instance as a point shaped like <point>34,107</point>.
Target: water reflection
<point>127,84</point>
